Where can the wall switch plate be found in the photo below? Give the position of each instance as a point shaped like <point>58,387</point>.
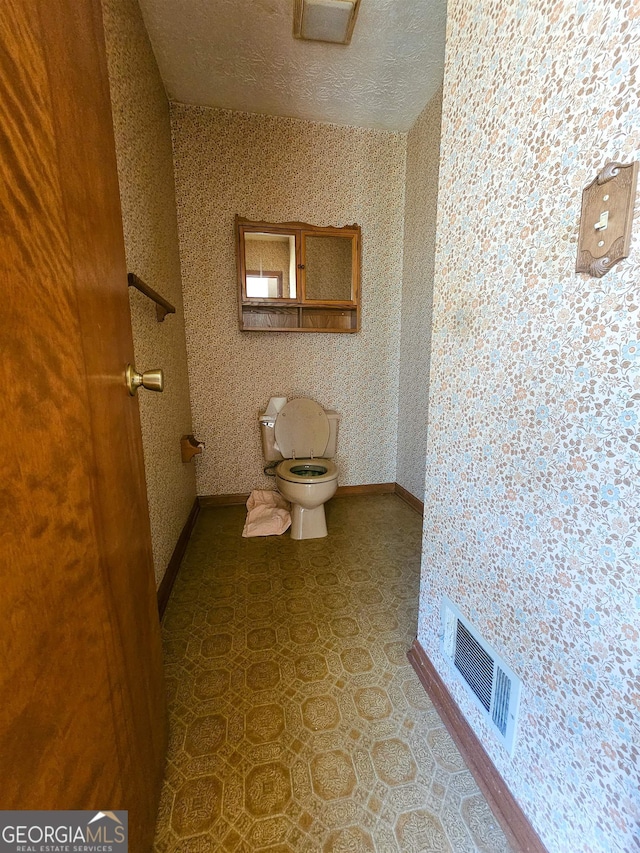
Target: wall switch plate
<point>605,222</point>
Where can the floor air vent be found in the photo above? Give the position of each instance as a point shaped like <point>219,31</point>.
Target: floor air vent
<point>494,687</point>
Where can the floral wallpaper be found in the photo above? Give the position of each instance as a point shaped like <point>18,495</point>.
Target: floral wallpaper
<point>278,170</point>
<point>145,171</point>
<point>533,480</point>
<point>421,197</point>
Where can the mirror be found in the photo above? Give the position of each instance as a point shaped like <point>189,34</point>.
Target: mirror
<point>328,263</point>
<point>270,265</point>
<point>295,277</point>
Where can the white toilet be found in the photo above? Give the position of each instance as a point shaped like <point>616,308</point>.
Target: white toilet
<point>304,436</point>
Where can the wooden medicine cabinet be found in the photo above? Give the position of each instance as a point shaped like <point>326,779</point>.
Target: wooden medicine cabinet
<point>294,277</point>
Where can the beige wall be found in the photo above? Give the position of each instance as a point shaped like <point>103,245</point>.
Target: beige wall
<point>145,171</point>
<point>421,196</point>
<point>279,170</point>
<point>533,499</point>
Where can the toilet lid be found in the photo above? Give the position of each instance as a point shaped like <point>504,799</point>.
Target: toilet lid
<point>302,429</point>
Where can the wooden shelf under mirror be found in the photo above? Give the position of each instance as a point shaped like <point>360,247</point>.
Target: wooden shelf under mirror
<point>296,277</point>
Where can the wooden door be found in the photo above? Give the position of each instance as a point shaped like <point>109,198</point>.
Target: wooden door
<point>82,720</point>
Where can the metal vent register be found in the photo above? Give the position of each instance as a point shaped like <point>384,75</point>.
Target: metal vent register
<point>490,683</point>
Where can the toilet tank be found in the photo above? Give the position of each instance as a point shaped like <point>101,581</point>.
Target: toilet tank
<point>332,444</point>
<point>268,435</point>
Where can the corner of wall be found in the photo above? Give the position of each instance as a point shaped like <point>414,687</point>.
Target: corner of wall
<point>421,191</point>
<point>147,195</point>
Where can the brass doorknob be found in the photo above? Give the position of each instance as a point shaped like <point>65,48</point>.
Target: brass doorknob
<point>152,380</point>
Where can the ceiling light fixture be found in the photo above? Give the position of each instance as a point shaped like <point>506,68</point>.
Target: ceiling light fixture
<point>325,20</point>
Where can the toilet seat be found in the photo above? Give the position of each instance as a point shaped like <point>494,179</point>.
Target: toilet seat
<point>286,470</point>
<point>305,435</point>
<point>302,429</point>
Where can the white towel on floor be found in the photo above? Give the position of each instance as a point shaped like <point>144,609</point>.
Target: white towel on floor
<point>268,514</point>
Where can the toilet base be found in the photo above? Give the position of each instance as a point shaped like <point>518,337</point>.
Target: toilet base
<point>308,523</point>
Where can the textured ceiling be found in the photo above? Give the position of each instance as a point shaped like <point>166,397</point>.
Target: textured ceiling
<point>241,55</point>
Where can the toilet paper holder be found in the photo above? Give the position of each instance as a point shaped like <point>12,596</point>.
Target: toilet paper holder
<point>190,447</point>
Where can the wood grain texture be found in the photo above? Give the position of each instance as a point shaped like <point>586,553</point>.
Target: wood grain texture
<point>163,306</point>
<point>169,577</point>
<point>77,70</point>
<point>82,712</point>
<point>270,319</point>
<point>48,526</point>
<point>311,314</point>
<point>366,489</point>
<point>206,501</point>
<point>407,497</point>
<point>520,834</point>
<point>323,320</point>
<point>189,447</point>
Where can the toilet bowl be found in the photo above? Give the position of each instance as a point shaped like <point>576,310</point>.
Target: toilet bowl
<point>307,484</point>
<point>303,435</point>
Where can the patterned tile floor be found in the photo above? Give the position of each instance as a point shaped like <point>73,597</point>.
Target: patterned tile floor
<point>297,723</point>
